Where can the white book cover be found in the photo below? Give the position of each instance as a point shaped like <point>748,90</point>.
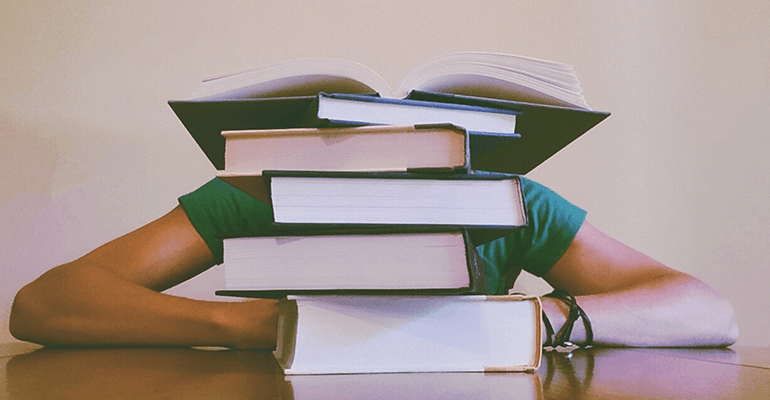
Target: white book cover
<point>379,334</point>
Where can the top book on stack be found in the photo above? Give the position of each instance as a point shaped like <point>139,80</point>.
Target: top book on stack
<point>539,100</point>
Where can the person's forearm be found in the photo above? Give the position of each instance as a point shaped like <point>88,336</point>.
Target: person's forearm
<point>673,310</point>
<point>106,310</point>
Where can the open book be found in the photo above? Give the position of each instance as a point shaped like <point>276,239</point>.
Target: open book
<point>544,95</point>
<point>479,74</point>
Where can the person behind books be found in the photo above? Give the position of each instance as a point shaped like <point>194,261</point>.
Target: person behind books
<point>113,295</point>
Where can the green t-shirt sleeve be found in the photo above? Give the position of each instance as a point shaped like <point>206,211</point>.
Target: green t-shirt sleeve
<point>553,223</point>
<point>218,208</point>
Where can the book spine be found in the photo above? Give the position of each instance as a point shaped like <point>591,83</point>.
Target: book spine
<point>477,271</point>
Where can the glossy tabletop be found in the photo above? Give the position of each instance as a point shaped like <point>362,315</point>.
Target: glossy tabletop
<point>31,372</point>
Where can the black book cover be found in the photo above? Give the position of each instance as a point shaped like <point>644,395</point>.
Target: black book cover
<point>544,130</point>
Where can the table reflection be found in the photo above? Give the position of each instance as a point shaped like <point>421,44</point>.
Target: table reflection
<point>567,375</point>
<point>600,373</point>
<point>438,386</point>
<point>140,373</point>
<point>183,373</point>
<point>150,373</point>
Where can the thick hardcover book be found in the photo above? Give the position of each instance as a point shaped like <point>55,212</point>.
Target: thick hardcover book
<point>363,148</point>
<point>357,109</point>
<point>379,334</point>
<point>321,198</point>
<point>509,201</point>
<point>385,261</point>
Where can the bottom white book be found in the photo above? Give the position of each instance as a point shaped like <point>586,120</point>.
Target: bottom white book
<point>355,334</point>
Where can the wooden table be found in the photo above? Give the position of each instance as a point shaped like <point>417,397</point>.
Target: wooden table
<point>31,372</point>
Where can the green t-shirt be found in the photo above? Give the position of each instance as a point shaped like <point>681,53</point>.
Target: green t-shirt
<point>553,223</point>
<point>218,208</point>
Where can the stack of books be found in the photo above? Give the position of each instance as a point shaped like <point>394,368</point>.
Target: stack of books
<point>379,203</point>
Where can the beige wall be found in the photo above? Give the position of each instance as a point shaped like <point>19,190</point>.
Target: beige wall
<point>90,150</point>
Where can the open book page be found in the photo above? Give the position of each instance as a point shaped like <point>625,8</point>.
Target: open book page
<point>522,88</point>
<point>499,76</point>
<point>555,73</point>
<point>303,77</point>
<point>492,75</point>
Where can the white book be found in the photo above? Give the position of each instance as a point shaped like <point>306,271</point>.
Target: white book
<point>357,109</point>
<point>389,334</point>
<point>437,261</point>
<point>474,200</point>
<point>363,148</point>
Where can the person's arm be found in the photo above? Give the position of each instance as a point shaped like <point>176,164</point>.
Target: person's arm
<point>633,300</point>
<point>111,296</point>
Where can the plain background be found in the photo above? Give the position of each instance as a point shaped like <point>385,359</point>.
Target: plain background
<point>90,150</point>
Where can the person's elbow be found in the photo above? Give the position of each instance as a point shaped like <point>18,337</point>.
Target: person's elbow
<point>716,320</point>
<point>24,320</point>
<point>727,322</point>
<point>36,309</point>
<point>697,315</point>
